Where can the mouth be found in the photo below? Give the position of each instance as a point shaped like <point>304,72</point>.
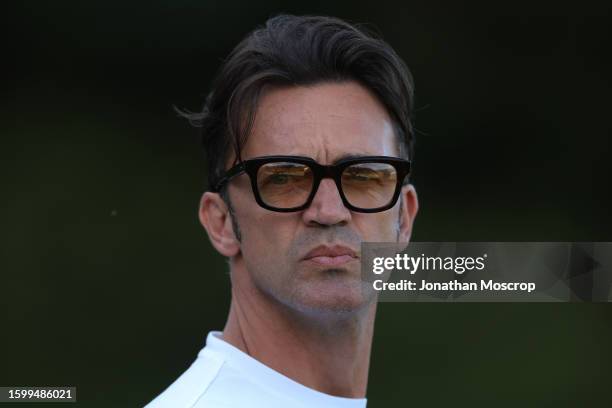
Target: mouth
<point>331,255</point>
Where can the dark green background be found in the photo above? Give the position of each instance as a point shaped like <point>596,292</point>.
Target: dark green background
<point>110,284</point>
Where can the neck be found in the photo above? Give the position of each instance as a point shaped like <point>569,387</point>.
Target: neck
<point>330,354</point>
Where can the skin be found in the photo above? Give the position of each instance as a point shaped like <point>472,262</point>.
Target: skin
<point>311,322</point>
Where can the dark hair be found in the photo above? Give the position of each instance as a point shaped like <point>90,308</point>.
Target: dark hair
<point>299,50</point>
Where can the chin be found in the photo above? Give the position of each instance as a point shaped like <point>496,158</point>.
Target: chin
<point>333,295</point>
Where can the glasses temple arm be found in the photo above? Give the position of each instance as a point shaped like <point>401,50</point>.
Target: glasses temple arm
<point>231,173</point>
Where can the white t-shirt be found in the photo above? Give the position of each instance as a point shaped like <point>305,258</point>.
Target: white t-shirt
<point>225,377</point>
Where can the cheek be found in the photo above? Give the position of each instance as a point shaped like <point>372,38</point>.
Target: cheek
<point>378,227</point>
<point>267,235</point>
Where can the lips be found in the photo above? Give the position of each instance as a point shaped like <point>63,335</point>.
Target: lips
<point>331,255</point>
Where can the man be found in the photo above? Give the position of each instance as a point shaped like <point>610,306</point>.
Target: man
<point>308,137</point>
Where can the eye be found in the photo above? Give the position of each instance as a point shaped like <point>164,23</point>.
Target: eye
<point>283,175</point>
<point>362,174</point>
<point>278,178</point>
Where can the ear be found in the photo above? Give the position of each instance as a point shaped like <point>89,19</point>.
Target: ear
<point>215,218</point>
<point>409,211</point>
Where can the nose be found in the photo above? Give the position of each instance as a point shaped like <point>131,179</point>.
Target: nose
<point>327,207</point>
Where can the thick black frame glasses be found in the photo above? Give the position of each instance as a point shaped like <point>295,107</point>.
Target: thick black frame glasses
<point>312,173</point>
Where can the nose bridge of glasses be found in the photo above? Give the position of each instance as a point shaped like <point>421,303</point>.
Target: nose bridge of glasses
<point>328,172</point>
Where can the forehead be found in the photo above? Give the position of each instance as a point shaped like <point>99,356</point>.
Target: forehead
<point>326,122</point>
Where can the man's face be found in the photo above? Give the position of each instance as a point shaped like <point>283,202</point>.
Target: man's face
<point>325,122</point>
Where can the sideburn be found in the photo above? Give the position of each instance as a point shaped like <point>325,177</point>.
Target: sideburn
<point>232,214</point>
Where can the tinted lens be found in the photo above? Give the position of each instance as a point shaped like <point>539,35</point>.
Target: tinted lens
<point>284,184</point>
<point>369,185</point>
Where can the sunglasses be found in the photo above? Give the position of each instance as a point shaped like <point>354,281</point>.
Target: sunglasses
<point>366,184</point>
